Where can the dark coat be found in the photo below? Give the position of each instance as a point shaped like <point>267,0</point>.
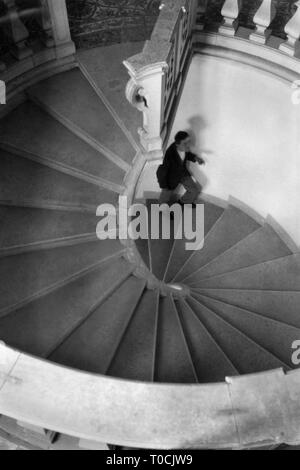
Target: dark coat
<point>174,168</point>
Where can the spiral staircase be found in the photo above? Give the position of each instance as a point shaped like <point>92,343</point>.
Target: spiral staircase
<point>144,312</point>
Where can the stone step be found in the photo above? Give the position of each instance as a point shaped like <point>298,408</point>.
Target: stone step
<point>111,77</point>
<point>277,305</point>
<point>211,363</point>
<point>160,249</point>
<point>39,327</point>
<point>70,98</point>
<point>262,245</point>
<point>26,228</point>
<point>92,346</point>
<point>24,182</point>
<point>179,254</point>
<point>247,355</point>
<point>282,274</point>
<point>134,357</point>
<point>273,335</point>
<point>29,276</point>
<point>231,227</point>
<point>34,133</point>
<point>173,363</point>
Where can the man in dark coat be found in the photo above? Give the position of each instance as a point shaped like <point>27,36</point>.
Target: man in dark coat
<point>175,171</point>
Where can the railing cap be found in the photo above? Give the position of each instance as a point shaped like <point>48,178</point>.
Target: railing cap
<point>157,49</point>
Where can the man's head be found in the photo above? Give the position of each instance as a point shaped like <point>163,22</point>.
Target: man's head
<point>183,141</point>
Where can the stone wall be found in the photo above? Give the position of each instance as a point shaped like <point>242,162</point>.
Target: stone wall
<point>104,22</point>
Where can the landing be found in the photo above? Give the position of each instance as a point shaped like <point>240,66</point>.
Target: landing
<point>105,65</point>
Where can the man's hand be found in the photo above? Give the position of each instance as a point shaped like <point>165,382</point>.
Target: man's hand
<point>200,161</point>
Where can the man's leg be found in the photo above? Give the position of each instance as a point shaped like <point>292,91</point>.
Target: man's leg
<point>167,196</point>
<point>193,191</point>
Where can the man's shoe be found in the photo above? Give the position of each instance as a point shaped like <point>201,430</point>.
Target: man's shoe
<point>187,204</point>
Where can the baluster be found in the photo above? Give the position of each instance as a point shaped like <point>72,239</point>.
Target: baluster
<point>230,12</point>
<point>292,30</point>
<point>19,32</point>
<point>201,10</point>
<point>60,27</point>
<point>2,92</point>
<point>263,18</point>
<point>46,24</point>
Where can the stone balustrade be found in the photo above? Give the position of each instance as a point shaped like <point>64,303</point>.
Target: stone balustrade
<point>158,71</point>
<point>28,57</point>
<point>262,19</point>
<point>246,411</point>
<point>243,412</point>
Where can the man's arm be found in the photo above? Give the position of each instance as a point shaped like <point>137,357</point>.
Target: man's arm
<point>192,157</point>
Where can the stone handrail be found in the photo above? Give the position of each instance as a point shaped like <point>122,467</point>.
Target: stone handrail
<point>243,412</point>
<point>23,62</point>
<point>156,73</point>
<point>256,47</point>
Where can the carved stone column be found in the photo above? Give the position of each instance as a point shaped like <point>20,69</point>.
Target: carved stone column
<point>148,85</point>
<point>60,28</point>
<point>45,22</point>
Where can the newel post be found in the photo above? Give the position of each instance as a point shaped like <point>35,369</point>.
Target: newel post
<point>292,30</point>
<point>144,92</point>
<point>45,22</point>
<point>230,12</point>
<point>60,28</point>
<point>262,19</point>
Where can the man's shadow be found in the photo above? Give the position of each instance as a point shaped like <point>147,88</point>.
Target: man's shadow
<point>197,126</point>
